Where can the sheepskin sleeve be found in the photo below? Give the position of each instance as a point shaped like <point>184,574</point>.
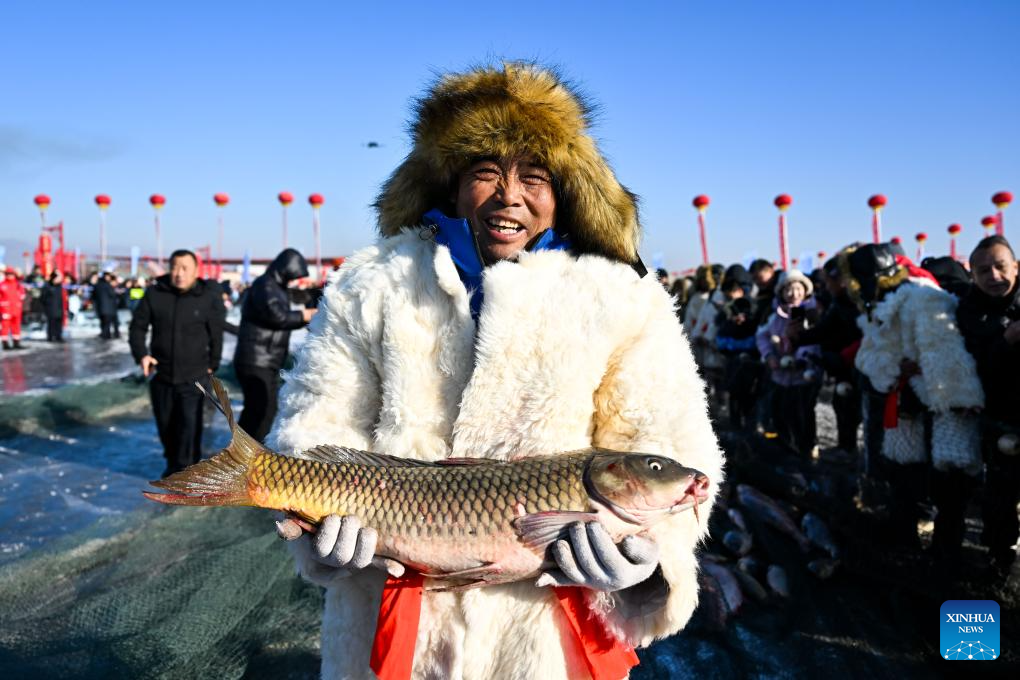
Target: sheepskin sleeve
<point>652,400</point>
<point>327,396</point>
<point>949,377</point>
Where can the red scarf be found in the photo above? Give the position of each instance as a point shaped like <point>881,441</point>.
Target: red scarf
<point>606,657</point>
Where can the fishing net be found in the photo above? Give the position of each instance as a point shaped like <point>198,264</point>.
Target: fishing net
<point>161,593</point>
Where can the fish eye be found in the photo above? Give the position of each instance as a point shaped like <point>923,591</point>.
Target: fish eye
<point>654,464</point>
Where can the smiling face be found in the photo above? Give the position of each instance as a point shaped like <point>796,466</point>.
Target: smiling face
<point>794,293</point>
<point>507,203</point>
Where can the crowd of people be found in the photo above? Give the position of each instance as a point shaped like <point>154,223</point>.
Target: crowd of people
<point>921,361</point>
<point>61,301</point>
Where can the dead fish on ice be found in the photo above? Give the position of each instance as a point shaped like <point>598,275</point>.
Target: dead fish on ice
<point>768,510</point>
<point>776,578</point>
<point>819,534</point>
<point>738,542</point>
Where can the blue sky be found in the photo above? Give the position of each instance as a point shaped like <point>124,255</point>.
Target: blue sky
<point>829,102</point>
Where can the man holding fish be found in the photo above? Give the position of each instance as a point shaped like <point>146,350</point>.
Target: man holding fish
<point>503,315</point>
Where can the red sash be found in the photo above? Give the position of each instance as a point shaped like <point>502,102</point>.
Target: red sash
<point>891,417</point>
<point>605,657</point>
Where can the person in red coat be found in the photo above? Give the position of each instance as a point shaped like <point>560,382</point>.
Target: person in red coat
<point>12,297</point>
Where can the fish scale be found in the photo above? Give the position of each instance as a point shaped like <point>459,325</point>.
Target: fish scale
<point>424,501</point>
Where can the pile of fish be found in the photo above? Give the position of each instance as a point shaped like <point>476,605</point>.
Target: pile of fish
<point>731,572</point>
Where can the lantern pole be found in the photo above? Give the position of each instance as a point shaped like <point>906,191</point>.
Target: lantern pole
<point>285,198</point>
<point>1001,199</point>
<point>284,227</point>
<point>876,203</point>
<point>701,202</point>
<point>782,202</point>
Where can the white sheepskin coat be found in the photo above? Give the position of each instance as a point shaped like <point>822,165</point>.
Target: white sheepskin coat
<point>917,321</point>
<point>570,353</point>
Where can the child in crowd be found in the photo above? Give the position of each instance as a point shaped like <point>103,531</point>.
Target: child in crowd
<point>791,369</point>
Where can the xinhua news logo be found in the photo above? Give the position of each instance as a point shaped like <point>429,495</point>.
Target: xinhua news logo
<point>969,630</point>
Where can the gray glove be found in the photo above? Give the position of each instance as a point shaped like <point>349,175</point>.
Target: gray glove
<point>590,559</point>
<point>339,548</point>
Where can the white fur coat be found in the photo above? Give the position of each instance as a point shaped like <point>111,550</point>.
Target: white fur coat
<point>570,353</point>
<point>917,321</point>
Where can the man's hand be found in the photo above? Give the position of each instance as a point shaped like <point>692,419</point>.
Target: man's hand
<point>309,313</point>
<point>339,548</point>
<point>1012,334</point>
<point>148,364</point>
<point>590,559</point>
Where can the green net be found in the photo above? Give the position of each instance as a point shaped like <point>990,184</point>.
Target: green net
<point>161,593</point>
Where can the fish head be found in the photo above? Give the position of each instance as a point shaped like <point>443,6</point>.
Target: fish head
<point>642,488</point>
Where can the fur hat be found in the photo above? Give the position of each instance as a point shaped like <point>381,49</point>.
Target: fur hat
<point>794,276</point>
<point>501,112</point>
<point>869,270</point>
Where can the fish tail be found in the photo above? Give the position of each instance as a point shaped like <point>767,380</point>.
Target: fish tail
<point>220,480</point>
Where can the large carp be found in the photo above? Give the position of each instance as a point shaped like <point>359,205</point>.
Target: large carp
<point>476,521</point>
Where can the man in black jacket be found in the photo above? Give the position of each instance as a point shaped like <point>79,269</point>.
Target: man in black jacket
<point>264,338</point>
<point>104,298</point>
<point>186,315</point>
<point>989,319</point>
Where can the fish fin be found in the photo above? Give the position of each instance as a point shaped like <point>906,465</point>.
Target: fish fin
<point>481,571</point>
<point>538,530</point>
<point>221,401</point>
<point>327,453</point>
<point>471,585</point>
<point>220,480</point>
<point>468,461</point>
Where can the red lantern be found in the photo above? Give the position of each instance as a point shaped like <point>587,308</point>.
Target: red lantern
<point>42,201</point>
<point>821,255</point>
<point>103,201</point>
<point>783,201</point>
<point>700,201</point>
<point>877,202</point>
<point>921,237</point>
<point>896,241</point>
<point>221,199</point>
<point>989,222</point>
<point>157,201</point>
<point>316,200</point>
<point>954,229</point>
<point>285,198</point>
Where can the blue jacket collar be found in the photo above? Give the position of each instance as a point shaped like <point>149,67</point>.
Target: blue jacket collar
<point>455,234</point>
